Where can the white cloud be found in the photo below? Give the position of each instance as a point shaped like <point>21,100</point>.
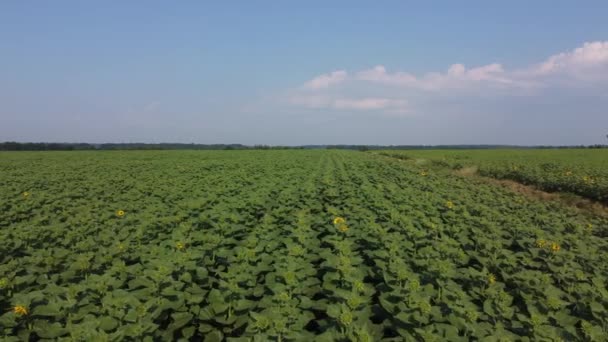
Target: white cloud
<point>377,89</point>
<point>490,72</point>
<point>589,55</point>
<point>378,74</point>
<point>456,70</point>
<point>361,104</point>
<point>370,103</point>
<point>345,103</point>
<point>326,80</point>
<point>456,76</point>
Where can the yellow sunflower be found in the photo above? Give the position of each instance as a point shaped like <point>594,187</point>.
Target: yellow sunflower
<point>120,213</point>
<point>339,220</point>
<point>20,310</point>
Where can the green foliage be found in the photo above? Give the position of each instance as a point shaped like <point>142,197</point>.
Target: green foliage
<point>579,171</point>
<point>287,246</point>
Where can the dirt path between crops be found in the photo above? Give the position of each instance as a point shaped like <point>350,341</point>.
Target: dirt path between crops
<point>582,204</point>
<point>571,200</point>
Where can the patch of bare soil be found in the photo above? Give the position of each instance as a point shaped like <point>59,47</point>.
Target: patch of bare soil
<point>583,204</point>
<point>575,201</point>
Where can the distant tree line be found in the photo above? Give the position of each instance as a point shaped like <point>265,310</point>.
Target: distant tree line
<point>15,146</point>
<point>18,146</point>
<point>450,147</point>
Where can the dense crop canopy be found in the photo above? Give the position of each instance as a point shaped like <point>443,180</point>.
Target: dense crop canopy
<point>579,171</point>
<point>286,246</point>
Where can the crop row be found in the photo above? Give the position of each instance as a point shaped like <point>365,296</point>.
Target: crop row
<point>286,246</point>
<point>581,172</point>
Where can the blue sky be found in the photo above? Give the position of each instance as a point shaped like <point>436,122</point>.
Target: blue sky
<point>277,72</point>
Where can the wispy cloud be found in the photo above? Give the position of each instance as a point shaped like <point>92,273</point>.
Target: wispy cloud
<point>343,103</point>
<point>377,89</point>
<point>456,75</point>
<point>326,80</point>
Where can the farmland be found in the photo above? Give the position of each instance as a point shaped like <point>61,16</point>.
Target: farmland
<point>294,246</point>
<point>579,171</point>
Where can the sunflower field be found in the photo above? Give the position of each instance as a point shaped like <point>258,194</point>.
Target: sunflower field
<point>583,172</point>
<point>304,245</point>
